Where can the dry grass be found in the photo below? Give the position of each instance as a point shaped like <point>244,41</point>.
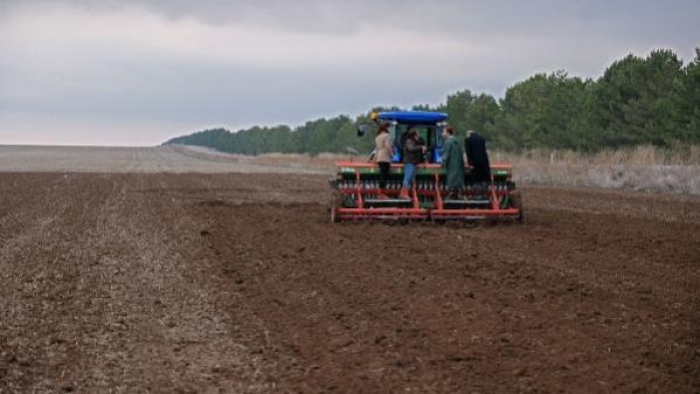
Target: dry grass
<point>641,156</point>
<point>644,168</point>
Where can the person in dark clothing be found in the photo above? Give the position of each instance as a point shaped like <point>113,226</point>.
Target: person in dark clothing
<point>477,157</point>
<point>421,153</point>
<point>401,143</point>
<point>412,156</point>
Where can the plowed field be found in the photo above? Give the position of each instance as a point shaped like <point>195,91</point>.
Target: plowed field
<point>207,283</point>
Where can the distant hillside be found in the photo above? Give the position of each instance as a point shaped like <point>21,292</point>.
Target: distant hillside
<point>637,101</point>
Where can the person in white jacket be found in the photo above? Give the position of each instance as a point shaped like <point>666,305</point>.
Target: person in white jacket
<point>383,151</point>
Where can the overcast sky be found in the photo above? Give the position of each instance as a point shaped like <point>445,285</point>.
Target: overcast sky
<point>128,72</point>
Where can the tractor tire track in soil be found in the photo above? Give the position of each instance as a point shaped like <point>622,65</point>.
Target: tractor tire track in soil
<point>240,283</point>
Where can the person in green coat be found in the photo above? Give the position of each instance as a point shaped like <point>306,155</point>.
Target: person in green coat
<point>453,162</point>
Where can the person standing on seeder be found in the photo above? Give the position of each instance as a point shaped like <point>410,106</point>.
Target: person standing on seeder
<point>478,159</point>
<point>383,150</point>
<point>412,156</point>
<point>453,162</point>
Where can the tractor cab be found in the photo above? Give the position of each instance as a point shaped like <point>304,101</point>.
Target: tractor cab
<point>428,124</point>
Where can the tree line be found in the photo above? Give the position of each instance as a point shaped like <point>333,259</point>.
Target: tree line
<point>637,101</point>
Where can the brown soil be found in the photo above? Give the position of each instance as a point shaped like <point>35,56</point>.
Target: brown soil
<point>240,283</point>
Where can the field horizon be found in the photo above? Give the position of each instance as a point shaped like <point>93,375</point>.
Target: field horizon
<point>643,169</point>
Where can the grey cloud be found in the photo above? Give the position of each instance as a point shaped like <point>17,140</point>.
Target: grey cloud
<point>491,45</point>
<point>669,22</point>
<point>242,95</point>
<point>472,16</point>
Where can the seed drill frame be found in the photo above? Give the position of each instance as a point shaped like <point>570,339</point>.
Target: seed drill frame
<point>356,185</point>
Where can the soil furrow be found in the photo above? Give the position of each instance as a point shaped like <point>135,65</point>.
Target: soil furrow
<point>240,283</point>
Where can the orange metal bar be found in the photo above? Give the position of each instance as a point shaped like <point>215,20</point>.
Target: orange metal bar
<point>416,203</point>
<point>358,184</point>
<point>354,164</point>
<point>495,204</point>
<point>381,211</point>
<point>438,195</point>
<point>474,212</point>
<point>382,217</point>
